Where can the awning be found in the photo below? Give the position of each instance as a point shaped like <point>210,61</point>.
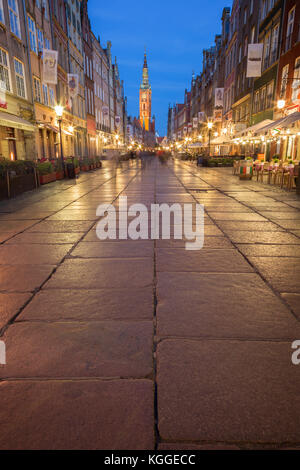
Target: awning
<point>254,128</point>
<point>47,126</point>
<point>197,145</point>
<point>10,120</point>
<point>221,140</point>
<point>281,123</point>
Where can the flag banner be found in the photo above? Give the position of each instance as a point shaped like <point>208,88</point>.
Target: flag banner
<point>255,52</point>
<point>73,85</point>
<point>105,110</point>
<point>190,127</point>
<point>219,97</point>
<point>117,121</point>
<point>185,130</point>
<point>217,115</point>
<point>3,102</point>
<point>50,66</point>
<point>201,116</point>
<point>195,122</point>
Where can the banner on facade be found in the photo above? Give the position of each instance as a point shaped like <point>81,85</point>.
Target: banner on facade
<point>218,115</point>
<point>254,62</point>
<point>184,130</point>
<point>190,127</point>
<point>3,102</point>
<point>50,66</point>
<point>73,85</point>
<point>195,122</point>
<point>201,116</point>
<point>117,121</point>
<point>219,97</point>
<point>105,110</point>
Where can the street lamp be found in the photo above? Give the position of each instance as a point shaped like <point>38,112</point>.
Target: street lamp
<point>209,125</point>
<point>280,104</point>
<point>59,112</point>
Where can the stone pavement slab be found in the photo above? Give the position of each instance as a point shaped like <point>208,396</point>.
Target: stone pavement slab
<point>112,415</point>
<point>277,238</point>
<point>249,226</point>
<point>10,304</point>
<point>282,273</point>
<point>129,303</point>
<point>81,349</point>
<point>103,273</point>
<point>244,216</point>
<point>59,226</point>
<point>205,260</point>
<point>32,254</point>
<point>294,301</point>
<point>51,238</point>
<point>270,250</point>
<point>229,391</point>
<point>203,305</point>
<point>121,249</point>
<point>23,278</point>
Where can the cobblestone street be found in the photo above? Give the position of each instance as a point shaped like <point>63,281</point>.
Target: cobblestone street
<point>142,344</point>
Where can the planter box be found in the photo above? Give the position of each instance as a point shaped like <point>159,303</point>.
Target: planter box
<point>77,170</point>
<point>45,179</point>
<point>85,168</point>
<point>59,175</point>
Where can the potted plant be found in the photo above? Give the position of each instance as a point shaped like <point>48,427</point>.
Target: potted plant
<point>85,164</point>
<point>46,172</point>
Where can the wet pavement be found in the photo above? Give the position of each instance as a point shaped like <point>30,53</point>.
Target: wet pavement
<point>142,344</point>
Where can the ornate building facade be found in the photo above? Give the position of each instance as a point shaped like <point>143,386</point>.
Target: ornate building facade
<point>147,123</point>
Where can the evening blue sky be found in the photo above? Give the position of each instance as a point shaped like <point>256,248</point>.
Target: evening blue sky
<point>174,33</point>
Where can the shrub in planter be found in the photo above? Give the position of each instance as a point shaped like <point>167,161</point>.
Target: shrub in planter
<point>57,166</point>
<point>85,164</point>
<point>46,172</point>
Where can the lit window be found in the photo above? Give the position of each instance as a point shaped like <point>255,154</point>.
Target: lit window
<point>284,77</point>
<point>37,90</point>
<point>14,17</point>
<point>45,94</point>
<point>1,12</point>
<point>51,97</point>
<point>20,79</point>
<point>4,70</point>
<point>47,43</point>
<point>296,81</point>
<point>32,34</point>
<point>290,27</point>
<point>44,2</point>
<point>40,40</point>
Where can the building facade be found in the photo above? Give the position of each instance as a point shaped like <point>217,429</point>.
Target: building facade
<point>253,109</point>
<point>17,114</point>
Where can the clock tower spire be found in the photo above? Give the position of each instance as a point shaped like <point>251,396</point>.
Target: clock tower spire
<point>145,97</point>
